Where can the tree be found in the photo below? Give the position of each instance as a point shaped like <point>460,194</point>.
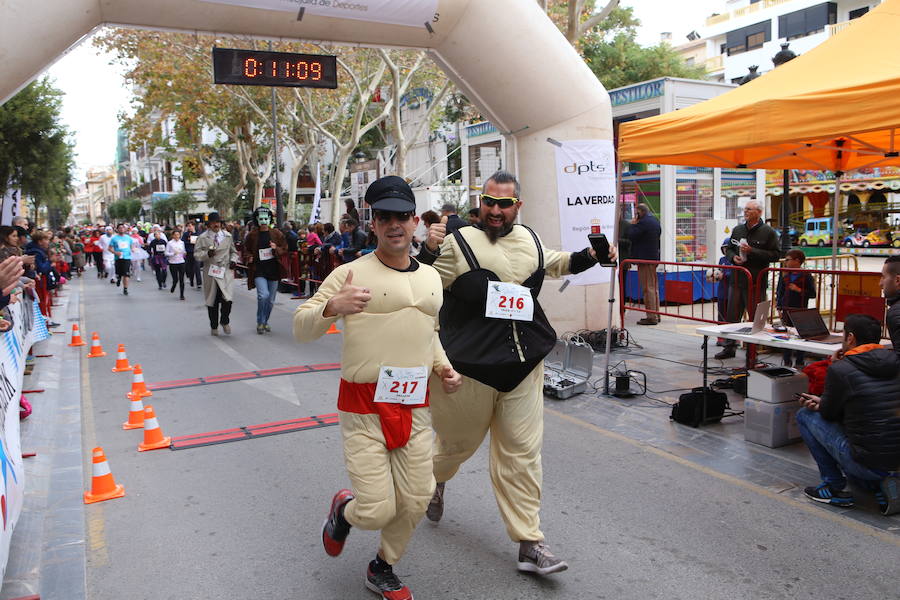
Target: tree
<point>622,61</point>
<point>578,19</point>
<point>163,210</point>
<point>35,151</point>
<point>126,209</point>
<point>221,196</point>
<point>182,202</point>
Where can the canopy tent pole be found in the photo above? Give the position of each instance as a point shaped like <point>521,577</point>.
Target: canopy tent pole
<point>612,279</point>
<point>835,204</point>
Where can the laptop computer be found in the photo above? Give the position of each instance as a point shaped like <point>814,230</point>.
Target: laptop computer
<point>759,319</point>
<point>810,326</point>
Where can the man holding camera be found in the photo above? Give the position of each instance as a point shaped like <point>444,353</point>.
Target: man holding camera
<point>495,333</point>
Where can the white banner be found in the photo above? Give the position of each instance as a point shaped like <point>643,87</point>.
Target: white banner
<point>413,13</point>
<point>586,184</point>
<point>14,347</point>
<point>10,206</point>
<point>317,198</point>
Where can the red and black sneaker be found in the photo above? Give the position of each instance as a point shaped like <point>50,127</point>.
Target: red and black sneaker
<point>387,584</point>
<point>336,529</point>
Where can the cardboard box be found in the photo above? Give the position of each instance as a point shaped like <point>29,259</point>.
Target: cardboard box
<point>771,425</point>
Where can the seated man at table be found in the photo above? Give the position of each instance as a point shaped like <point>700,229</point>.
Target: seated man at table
<point>853,429</point>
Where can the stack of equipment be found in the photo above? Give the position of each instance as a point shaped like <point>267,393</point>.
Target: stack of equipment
<point>770,407</point>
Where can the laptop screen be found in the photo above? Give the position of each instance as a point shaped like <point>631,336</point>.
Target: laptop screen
<point>808,322</point>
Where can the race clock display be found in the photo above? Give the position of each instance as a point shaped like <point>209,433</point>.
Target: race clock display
<point>281,69</point>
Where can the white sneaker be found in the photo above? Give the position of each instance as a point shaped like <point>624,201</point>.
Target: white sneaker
<point>535,557</point>
<point>214,332</point>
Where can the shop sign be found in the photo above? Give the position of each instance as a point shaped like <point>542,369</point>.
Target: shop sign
<point>636,93</point>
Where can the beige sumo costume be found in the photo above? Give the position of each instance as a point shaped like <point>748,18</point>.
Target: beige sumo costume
<point>387,447</point>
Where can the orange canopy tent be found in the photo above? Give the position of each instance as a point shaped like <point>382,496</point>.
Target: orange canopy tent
<point>836,107</point>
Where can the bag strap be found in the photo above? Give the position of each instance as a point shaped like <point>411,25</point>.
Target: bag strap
<point>466,250</point>
<point>537,243</point>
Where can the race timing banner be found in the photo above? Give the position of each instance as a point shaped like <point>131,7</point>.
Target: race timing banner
<point>586,187</point>
<point>413,13</point>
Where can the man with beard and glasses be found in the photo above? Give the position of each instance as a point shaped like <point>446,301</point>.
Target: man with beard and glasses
<point>496,335</point>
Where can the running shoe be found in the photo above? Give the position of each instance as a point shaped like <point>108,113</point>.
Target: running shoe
<point>125,292</point>
<point>387,584</point>
<point>336,529</point>
<point>214,332</point>
<point>436,507</point>
<point>118,281</point>
<point>260,328</point>
<point>267,328</point>
<point>825,494</point>
<point>889,495</point>
<point>225,327</point>
<point>535,557</point>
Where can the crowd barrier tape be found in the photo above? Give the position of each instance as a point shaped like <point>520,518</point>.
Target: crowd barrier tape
<point>16,343</point>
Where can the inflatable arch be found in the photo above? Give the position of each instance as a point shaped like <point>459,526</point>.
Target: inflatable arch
<point>505,55</point>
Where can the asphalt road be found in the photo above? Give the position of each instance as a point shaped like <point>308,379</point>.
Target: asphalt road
<point>242,520</point>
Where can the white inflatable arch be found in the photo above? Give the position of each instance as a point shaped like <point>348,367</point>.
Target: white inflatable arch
<point>505,55</point>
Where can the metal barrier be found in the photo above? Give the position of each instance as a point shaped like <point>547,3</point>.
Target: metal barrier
<point>693,291</point>
<point>837,293</point>
<point>844,262</point>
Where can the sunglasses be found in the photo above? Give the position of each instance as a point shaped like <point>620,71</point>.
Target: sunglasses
<point>502,202</point>
<point>384,217</point>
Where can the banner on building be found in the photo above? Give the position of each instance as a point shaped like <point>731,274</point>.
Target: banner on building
<point>10,208</point>
<point>413,13</point>
<point>586,184</point>
<point>13,350</point>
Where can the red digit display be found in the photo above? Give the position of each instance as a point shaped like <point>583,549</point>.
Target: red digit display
<point>287,69</point>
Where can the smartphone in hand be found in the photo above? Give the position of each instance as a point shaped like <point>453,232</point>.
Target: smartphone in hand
<point>601,247</point>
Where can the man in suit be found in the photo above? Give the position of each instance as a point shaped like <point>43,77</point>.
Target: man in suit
<point>644,235</point>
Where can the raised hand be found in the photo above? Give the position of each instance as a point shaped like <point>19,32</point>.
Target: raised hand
<point>436,234</point>
<point>350,300</point>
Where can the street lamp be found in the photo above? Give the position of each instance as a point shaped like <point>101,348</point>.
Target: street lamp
<point>785,55</point>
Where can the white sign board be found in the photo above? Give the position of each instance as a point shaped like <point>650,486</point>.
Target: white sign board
<point>10,208</point>
<point>586,185</point>
<point>413,13</point>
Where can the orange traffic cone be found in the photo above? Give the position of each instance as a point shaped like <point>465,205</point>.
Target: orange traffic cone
<point>103,486</point>
<point>135,415</point>
<point>333,329</point>
<point>153,435</point>
<point>76,337</point>
<point>138,387</point>
<point>96,348</point>
<point>121,361</point>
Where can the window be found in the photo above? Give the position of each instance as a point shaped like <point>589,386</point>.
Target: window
<point>738,40</point>
<point>756,40</point>
<point>855,14</point>
<point>689,61</point>
<point>808,21</point>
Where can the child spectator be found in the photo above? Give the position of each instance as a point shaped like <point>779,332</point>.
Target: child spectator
<point>795,289</point>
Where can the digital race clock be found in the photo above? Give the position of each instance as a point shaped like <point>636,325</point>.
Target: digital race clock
<point>282,69</point>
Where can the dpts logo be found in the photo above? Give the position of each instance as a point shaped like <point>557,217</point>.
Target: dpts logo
<point>582,168</point>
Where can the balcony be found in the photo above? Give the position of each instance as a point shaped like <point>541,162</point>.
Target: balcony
<point>838,27</point>
<point>750,8</point>
<point>715,63</point>
<point>716,19</point>
<point>744,11</point>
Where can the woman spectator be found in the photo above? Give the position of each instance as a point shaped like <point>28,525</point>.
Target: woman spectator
<point>157,250</point>
<point>175,254</point>
<point>78,254</point>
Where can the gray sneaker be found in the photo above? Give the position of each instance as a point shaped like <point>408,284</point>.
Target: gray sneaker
<point>214,332</point>
<point>436,506</point>
<point>535,557</point>
<point>226,329</point>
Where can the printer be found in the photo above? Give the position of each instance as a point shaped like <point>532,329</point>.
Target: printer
<point>776,385</point>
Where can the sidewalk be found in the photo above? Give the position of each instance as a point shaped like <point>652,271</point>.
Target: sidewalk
<point>47,552</point>
<point>672,358</point>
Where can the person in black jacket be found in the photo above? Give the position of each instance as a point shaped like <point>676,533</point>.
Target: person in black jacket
<point>890,286</point>
<point>754,246</point>
<point>853,429</point>
<point>644,235</point>
<point>454,221</point>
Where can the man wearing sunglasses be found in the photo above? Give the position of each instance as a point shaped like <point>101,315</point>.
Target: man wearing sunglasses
<point>389,303</point>
<point>496,335</point>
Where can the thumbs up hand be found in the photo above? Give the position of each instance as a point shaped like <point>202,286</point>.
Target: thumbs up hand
<point>350,300</point>
<point>450,379</point>
<point>436,234</point>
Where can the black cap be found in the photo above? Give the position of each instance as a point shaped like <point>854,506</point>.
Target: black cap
<point>391,194</point>
<point>213,217</point>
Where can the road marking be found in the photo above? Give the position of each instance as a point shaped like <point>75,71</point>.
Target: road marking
<point>249,432</point>
<point>820,512</point>
<point>96,523</point>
